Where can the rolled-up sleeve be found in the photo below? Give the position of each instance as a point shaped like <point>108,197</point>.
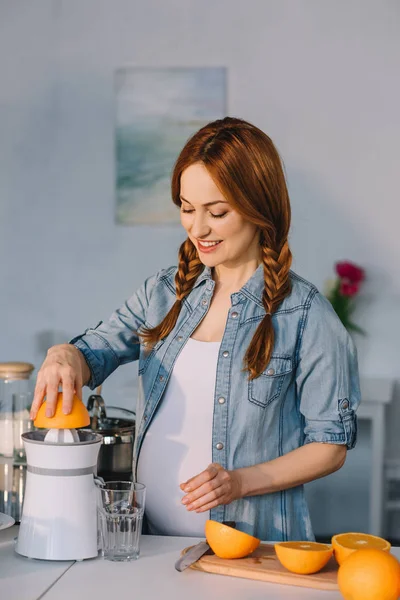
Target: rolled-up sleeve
<point>327,380</point>
<point>116,341</point>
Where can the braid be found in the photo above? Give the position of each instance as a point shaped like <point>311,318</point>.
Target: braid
<point>276,288</point>
<point>276,276</point>
<point>189,268</point>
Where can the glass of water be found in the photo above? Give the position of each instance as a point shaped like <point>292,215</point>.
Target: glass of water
<point>120,517</point>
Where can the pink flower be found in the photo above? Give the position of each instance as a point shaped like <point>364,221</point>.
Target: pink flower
<point>350,273</point>
<point>347,288</point>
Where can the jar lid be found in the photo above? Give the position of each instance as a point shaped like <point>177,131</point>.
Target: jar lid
<point>15,370</point>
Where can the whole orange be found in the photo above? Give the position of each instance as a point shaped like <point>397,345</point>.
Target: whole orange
<point>369,574</point>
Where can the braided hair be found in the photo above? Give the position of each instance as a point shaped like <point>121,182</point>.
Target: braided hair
<point>246,166</point>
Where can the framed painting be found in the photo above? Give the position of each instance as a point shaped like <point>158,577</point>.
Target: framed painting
<point>157,110</point>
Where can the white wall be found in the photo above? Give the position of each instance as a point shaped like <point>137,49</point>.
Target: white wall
<point>320,77</point>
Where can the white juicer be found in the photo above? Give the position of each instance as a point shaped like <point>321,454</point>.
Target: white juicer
<point>59,517</point>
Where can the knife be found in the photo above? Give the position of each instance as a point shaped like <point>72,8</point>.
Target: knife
<point>196,552</point>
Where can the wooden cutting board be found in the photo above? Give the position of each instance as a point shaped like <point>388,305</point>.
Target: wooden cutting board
<point>263,565</point>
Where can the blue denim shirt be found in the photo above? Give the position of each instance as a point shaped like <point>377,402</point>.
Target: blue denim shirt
<point>309,391</point>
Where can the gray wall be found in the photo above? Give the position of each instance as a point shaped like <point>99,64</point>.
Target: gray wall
<point>320,77</point>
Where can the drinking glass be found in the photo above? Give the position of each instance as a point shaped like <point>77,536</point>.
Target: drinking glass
<point>120,517</point>
<point>21,403</point>
<point>14,379</point>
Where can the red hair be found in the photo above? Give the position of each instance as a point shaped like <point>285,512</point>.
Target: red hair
<point>245,165</point>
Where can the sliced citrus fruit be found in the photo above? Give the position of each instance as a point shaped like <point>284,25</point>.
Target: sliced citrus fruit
<point>227,542</point>
<point>78,417</point>
<point>303,557</point>
<point>344,544</point>
<point>369,574</point>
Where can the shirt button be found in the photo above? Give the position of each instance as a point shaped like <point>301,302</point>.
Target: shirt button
<point>225,354</point>
<point>234,315</point>
<point>345,404</point>
<point>221,400</point>
<point>271,372</point>
<point>161,378</point>
<point>204,302</point>
<point>180,338</point>
<point>219,446</point>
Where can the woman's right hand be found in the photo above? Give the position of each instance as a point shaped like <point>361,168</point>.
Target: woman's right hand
<point>64,366</point>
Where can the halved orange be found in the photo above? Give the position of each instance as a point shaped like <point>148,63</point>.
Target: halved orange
<point>344,544</point>
<point>303,557</point>
<point>227,542</point>
<point>78,417</point>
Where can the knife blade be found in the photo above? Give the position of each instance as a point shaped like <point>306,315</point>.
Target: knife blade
<point>196,552</point>
<point>192,556</point>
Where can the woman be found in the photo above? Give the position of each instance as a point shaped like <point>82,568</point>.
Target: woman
<point>243,365</point>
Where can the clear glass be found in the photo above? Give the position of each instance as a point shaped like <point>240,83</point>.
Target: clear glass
<point>120,516</point>
<point>6,485</point>
<point>8,389</point>
<point>12,487</point>
<point>21,423</point>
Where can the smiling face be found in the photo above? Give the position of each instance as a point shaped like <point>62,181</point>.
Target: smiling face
<point>220,234</point>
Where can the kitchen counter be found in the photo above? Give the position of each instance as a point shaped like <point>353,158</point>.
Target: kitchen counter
<point>151,577</point>
<point>22,578</point>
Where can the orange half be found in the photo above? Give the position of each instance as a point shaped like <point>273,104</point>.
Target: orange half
<point>303,557</point>
<point>78,417</point>
<point>344,544</point>
<point>227,542</point>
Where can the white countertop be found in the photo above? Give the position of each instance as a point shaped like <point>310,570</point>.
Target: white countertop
<point>22,578</point>
<point>151,577</point>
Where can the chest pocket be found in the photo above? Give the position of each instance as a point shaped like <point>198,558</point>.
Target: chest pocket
<point>268,386</point>
<point>146,354</point>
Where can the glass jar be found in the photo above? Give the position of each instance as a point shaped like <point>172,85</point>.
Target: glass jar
<point>15,401</point>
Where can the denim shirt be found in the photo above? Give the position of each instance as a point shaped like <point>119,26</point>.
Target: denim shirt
<point>308,392</point>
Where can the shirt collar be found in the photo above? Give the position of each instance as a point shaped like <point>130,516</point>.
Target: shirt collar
<point>204,275</point>
<point>253,288</point>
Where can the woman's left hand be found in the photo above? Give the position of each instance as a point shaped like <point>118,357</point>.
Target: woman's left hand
<point>212,487</point>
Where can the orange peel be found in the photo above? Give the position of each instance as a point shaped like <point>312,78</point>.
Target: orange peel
<point>227,542</point>
<point>78,417</point>
<point>369,574</point>
<point>344,544</point>
<point>303,557</point>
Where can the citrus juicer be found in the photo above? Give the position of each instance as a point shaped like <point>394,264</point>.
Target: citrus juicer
<point>59,516</point>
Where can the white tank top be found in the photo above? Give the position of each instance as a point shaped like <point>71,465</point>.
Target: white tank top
<point>178,443</point>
